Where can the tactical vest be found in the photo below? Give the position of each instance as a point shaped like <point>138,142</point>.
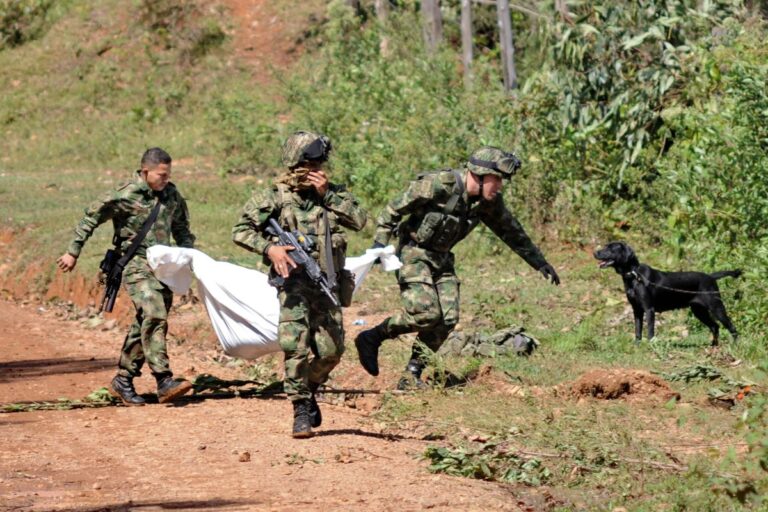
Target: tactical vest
<point>440,226</point>
<point>311,224</point>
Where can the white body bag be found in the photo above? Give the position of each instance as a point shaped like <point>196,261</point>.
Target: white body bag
<point>243,307</point>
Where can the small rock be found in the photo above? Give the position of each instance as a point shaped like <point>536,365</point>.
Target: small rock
<point>109,325</point>
<point>93,322</point>
<point>96,486</point>
<point>245,457</point>
<point>202,447</point>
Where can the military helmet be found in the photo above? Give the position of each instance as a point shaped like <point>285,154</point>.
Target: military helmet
<point>304,146</point>
<point>490,160</point>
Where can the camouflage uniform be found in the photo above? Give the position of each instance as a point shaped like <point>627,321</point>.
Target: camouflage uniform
<point>429,218</point>
<point>308,319</point>
<point>429,288</point>
<point>128,207</point>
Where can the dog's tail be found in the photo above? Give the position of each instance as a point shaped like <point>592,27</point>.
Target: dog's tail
<point>726,273</point>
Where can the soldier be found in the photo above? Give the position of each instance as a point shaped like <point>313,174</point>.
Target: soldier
<point>436,212</point>
<point>303,199</point>
<point>128,207</point>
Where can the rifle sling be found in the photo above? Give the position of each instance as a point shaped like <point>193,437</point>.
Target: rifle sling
<point>131,251</point>
<point>328,250</point>
<point>450,206</point>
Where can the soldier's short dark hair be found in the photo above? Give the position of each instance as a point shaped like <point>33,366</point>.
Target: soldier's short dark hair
<point>155,156</point>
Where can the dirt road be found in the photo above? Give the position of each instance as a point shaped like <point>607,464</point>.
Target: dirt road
<point>192,456</point>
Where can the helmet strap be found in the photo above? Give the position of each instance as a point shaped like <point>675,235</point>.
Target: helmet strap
<point>481,179</point>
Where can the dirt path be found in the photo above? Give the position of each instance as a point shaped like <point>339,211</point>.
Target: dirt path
<point>188,457</point>
<point>268,37</point>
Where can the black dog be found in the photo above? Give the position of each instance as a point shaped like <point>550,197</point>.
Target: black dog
<point>649,290</point>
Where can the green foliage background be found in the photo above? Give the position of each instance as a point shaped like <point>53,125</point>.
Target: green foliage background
<point>643,121</point>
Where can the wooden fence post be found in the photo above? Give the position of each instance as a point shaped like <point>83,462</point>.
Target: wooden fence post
<point>507,45</point>
<point>433,24</point>
<point>466,40</point>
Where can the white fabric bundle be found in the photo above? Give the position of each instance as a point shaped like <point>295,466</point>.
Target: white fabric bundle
<point>243,307</point>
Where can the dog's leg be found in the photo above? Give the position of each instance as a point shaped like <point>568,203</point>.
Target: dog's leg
<point>718,311</point>
<point>651,323</point>
<point>638,312</point>
<point>702,313</point>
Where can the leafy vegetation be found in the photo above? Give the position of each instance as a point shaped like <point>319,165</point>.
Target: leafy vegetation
<point>22,21</point>
<point>751,484</point>
<point>487,462</point>
<point>642,121</point>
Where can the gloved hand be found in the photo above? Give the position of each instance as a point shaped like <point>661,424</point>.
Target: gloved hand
<point>548,271</point>
<point>377,245</point>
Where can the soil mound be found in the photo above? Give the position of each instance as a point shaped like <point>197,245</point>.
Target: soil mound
<point>622,383</point>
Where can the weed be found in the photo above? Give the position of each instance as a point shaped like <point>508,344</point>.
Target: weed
<point>98,398</point>
<point>22,21</point>
<point>487,462</point>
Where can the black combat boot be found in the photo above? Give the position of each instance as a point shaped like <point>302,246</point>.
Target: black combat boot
<point>302,425</point>
<point>122,386</point>
<point>169,388</point>
<point>411,378</point>
<point>315,416</point>
<point>368,343</point>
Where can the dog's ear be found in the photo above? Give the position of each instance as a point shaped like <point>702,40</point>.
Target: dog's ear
<point>630,258</point>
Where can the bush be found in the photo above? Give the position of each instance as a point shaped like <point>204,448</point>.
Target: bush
<point>392,113</point>
<point>638,114</point>
<point>22,21</point>
<point>182,25</point>
<point>248,135</point>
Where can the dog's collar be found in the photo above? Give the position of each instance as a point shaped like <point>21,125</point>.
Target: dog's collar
<point>632,274</point>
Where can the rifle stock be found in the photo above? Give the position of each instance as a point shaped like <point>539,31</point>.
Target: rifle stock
<point>113,276</point>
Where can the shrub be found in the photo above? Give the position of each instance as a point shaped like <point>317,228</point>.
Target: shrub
<point>22,21</point>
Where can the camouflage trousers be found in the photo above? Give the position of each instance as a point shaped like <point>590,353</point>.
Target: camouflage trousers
<point>146,337</point>
<point>311,334</point>
<point>429,292</point>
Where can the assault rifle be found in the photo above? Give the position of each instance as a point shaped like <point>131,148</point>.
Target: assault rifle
<point>114,263</point>
<point>113,276</point>
<point>301,255</point>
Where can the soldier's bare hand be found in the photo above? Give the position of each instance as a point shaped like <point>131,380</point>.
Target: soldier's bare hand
<point>66,262</point>
<point>319,181</point>
<point>282,262</point>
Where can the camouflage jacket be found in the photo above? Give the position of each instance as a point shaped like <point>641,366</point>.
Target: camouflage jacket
<point>300,210</point>
<point>128,207</point>
<point>434,224</point>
